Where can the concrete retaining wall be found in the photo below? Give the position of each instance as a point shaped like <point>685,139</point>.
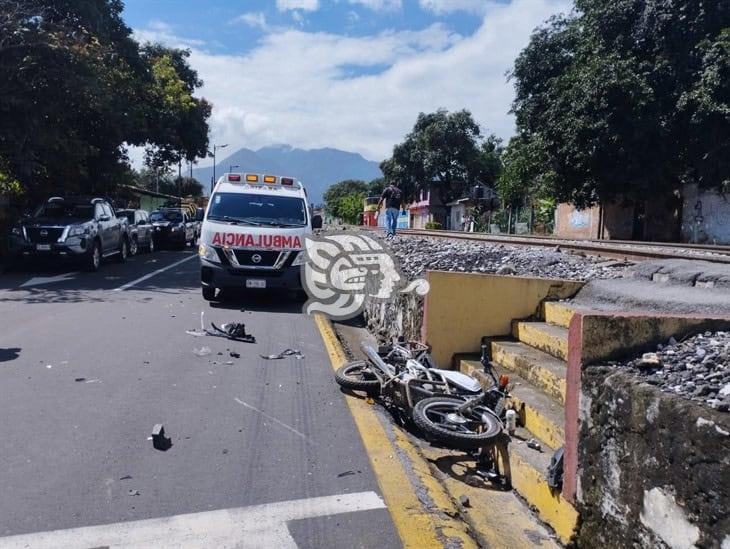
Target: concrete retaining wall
<point>653,467</point>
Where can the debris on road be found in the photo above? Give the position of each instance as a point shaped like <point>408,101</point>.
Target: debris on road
<point>203,351</point>
<point>234,354</point>
<point>347,474</point>
<point>159,440</point>
<point>534,444</point>
<point>79,379</point>
<point>126,477</point>
<point>296,353</point>
<point>235,331</point>
<point>133,492</point>
<point>464,500</point>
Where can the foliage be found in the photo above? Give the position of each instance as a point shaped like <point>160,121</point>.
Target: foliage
<point>446,150</point>
<point>625,98</point>
<point>76,88</point>
<point>377,186</point>
<point>525,172</point>
<point>162,182</point>
<point>350,207</point>
<point>336,192</point>
<point>433,225</point>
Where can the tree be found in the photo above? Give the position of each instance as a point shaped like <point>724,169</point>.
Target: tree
<point>627,98</point>
<point>376,186</point>
<point>446,150</point>
<point>77,87</point>
<point>350,207</point>
<point>336,192</point>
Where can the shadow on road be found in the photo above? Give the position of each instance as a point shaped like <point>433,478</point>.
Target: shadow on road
<point>269,301</point>
<point>6,355</point>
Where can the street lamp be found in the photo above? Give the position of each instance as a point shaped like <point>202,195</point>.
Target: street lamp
<point>230,168</point>
<point>215,147</point>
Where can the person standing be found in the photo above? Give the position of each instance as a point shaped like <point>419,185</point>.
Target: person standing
<point>393,198</point>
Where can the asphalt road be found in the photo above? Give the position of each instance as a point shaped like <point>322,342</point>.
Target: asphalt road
<point>87,369</point>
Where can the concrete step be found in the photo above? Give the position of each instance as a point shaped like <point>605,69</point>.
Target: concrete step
<point>543,416</point>
<point>558,313</point>
<point>543,336</point>
<point>529,478</point>
<point>539,368</point>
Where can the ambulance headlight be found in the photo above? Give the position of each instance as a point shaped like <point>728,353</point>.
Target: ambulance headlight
<point>300,259</point>
<point>209,253</point>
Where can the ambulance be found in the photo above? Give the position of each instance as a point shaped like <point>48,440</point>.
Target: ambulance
<point>253,234</point>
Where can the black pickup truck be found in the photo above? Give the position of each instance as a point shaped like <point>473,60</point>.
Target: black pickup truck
<point>81,229</point>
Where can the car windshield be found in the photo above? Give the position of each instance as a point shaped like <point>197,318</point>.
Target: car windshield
<point>128,214</point>
<point>257,209</point>
<point>175,217</point>
<point>65,209</point>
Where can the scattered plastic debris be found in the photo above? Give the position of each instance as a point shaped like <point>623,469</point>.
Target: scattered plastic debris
<point>348,473</point>
<point>235,331</point>
<point>228,363</point>
<point>535,445</point>
<point>296,353</point>
<point>49,366</point>
<point>464,500</point>
<point>126,477</point>
<point>234,354</point>
<point>133,492</point>
<point>79,379</point>
<point>159,440</point>
<point>555,470</point>
<point>203,351</point>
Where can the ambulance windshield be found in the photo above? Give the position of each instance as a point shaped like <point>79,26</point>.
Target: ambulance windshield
<point>257,209</point>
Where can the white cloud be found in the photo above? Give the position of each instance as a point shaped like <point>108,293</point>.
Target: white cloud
<point>378,5</point>
<point>252,19</point>
<point>306,5</point>
<point>447,6</point>
<point>293,86</point>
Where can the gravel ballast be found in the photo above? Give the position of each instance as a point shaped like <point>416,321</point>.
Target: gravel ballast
<point>697,368</point>
<point>417,254</point>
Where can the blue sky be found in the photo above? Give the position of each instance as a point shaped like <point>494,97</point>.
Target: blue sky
<point>351,74</point>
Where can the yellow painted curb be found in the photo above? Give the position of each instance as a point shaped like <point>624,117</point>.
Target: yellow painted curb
<point>417,526</point>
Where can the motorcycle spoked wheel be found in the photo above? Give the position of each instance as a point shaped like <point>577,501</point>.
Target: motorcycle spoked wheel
<point>358,376</point>
<point>439,417</point>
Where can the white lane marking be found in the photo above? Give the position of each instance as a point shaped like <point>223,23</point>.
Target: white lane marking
<point>272,418</point>
<point>257,526</point>
<point>153,273</point>
<point>39,280</point>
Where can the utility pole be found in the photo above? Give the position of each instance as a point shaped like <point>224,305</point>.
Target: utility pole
<point>215,147</point>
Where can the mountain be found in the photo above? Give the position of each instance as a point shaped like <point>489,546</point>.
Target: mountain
<point>316,168</point>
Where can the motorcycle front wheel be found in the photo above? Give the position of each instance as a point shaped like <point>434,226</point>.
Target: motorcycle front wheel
<point>358,376</point>
<point>440,418</point>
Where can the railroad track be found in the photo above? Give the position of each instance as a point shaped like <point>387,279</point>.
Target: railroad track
<point>628,250</point>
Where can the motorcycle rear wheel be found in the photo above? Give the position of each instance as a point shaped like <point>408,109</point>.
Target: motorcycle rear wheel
<point>439,417</point>
<point>357,376</point>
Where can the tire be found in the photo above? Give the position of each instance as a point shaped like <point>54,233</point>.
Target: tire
<point>356,376</point>
<point>208,293</point>
<point>93,258</point>
<point>123,251</point>
<point>151,246</point>
<point>455,435</point>
<point>133,247</point>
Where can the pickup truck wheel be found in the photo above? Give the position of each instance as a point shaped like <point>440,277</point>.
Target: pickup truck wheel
<point>133,247</point>
<point>93,259</point>
<point>208,293</point>
<point>151,245</point>
<point>123,251</point>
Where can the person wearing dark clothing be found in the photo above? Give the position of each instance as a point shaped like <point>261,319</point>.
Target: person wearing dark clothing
<point>393,198</point>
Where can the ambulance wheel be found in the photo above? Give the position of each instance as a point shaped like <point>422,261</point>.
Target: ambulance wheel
<point>208,293</point>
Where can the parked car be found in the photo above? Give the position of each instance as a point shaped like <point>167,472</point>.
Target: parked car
<point>81,229</point>
<point>141,231</point>
<point>172,227</point>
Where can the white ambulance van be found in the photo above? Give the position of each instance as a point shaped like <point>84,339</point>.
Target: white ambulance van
<point>253,233</point>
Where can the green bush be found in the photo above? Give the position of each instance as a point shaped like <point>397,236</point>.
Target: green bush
<point>433,225</point>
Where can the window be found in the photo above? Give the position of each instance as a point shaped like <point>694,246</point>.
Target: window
<point>107,210</point>
<point>98,211</point>
<point>258,209</point>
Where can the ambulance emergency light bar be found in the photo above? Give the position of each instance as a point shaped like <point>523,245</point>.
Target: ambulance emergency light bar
<point>256,179</point>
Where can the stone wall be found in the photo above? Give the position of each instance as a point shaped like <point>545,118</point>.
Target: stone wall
<point>654,469</point>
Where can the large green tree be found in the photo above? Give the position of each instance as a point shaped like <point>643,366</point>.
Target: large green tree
<point>76,87</point>
<point>335,193</point>
<point>447,150</point>
<point>627,98</point>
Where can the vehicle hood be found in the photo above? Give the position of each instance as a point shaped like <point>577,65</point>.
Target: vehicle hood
<point>261,238</point>
<point>54,221</point>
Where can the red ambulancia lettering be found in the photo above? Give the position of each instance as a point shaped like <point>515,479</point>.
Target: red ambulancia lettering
<point>240,239</point>
<point>297,242</point>
<point>230,239</point>
<point>217,239</point>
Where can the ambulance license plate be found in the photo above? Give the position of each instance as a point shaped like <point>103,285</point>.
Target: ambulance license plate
<point>43,247</point>
<point>255,283</point>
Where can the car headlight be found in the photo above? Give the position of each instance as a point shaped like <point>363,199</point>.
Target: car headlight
<point>175,229</point>
<point>16,231</point>
<point>209,253</point>
<point>77,231</point>
<point>300,259</point>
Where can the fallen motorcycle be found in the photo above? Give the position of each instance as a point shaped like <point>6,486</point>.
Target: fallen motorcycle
<point>467,422</point>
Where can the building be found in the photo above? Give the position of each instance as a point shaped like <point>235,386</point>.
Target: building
<point>428,208</point>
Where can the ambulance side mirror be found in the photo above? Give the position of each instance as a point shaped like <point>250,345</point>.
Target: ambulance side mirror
<point>316,221</point>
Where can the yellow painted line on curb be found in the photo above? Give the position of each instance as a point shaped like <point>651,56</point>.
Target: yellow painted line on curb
<point>417,526</point>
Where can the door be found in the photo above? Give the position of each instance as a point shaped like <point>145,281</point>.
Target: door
<point>112,229</point>
<point>143,228</point>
